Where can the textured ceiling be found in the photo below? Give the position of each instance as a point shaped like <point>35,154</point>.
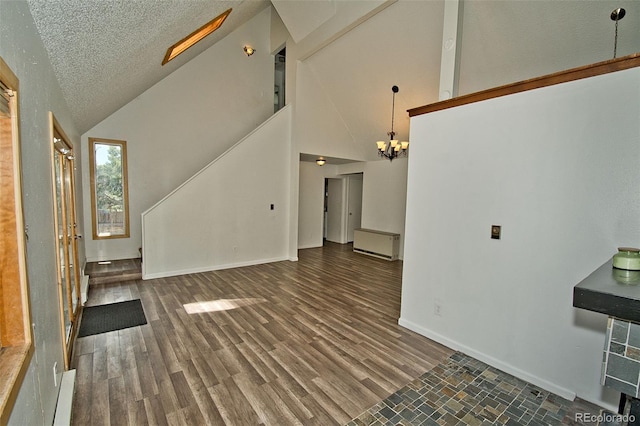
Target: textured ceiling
<point>107,52</point>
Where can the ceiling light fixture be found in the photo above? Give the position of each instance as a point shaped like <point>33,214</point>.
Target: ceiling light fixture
<point>249,50</point>
<point>321,161</point>
<point>195,36</point>
<point>394,148</point>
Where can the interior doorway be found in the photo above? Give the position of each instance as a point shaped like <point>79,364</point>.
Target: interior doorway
<point>334,206</point>
<point>342,207</point>
<point>354,204</point>
<point>68,273</point>
<point>280,61</point>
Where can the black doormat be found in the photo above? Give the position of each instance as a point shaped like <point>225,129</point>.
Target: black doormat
<point>115,316</point>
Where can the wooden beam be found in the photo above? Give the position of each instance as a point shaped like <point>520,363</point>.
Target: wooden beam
<point>586,71</point>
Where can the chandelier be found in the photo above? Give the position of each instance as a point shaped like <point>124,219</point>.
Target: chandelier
<point>393,148</point>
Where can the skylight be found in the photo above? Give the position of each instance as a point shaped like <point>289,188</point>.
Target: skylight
<point>195,36</point>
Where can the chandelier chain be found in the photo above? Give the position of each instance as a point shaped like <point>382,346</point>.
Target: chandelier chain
<point>615,43</point>
<point>393,109</point>
<point>616,15</point>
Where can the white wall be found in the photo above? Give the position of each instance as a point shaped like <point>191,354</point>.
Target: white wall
<point>507,41</point>
<point>334,85</point>
<point>557,167</point>
<point>22,50</point>
<point>318,127</point>
<point>311,205</point>
<point>221,218</point>
<point>355,74</point>
<point>384,197</point>
<point>185,121</point>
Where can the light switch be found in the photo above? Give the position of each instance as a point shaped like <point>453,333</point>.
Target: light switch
<point>495,232</point>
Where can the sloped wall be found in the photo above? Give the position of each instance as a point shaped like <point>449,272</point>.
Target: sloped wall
<point>185,121</point>
<point>557,168</point>
<point>318,126</point>
<point>222,216</point>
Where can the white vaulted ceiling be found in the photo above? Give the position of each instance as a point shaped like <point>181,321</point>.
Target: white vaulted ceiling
<point>107,52</point>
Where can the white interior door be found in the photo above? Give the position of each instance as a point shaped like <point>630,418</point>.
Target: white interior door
<point>335,210</point>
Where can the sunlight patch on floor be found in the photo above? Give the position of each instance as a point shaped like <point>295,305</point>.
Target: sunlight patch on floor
<point>220,305</point>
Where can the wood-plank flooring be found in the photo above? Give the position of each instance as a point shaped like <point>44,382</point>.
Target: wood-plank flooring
<point>113,271</point>
<point>310,342</point>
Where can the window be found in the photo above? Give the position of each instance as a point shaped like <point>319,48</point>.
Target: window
<point>16,348</point>
<point>195,36</point>
<point>109,191</point>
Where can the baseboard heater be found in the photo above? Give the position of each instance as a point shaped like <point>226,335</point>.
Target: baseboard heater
<point>383,245</point>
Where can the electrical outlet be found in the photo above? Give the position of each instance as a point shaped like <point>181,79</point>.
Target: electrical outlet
<point>437,309</point>
<point>55,374</point>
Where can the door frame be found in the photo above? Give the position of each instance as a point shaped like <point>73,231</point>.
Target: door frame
<point>345,234</point>
<point>62,147</point>
<point>354,203</point>
<point>335,217</point>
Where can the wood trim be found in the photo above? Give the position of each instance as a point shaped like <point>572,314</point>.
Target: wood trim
<point>56,228</point>
<point>69,210</point>
<point>92,185</point>
<point>11,332</point>
<point>14,363</point>
<point>76,267</point>
<point>7,76</point>
<point>600,68</point>
<point>16,340</point>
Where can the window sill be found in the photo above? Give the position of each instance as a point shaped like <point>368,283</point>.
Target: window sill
<point>14,362</point>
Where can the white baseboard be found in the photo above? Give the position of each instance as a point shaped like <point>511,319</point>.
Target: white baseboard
<point>489,360</point>
<point>166,274</point>
<point>65,399</point>
<point>309,246</point>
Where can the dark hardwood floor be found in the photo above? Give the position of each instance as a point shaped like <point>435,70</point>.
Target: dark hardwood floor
<point>309,342</point>
<point>113,271</point>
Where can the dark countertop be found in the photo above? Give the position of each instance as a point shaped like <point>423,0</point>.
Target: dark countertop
<point>610,291</point>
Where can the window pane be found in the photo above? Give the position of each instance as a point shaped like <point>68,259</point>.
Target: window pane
<point>109,189</point>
